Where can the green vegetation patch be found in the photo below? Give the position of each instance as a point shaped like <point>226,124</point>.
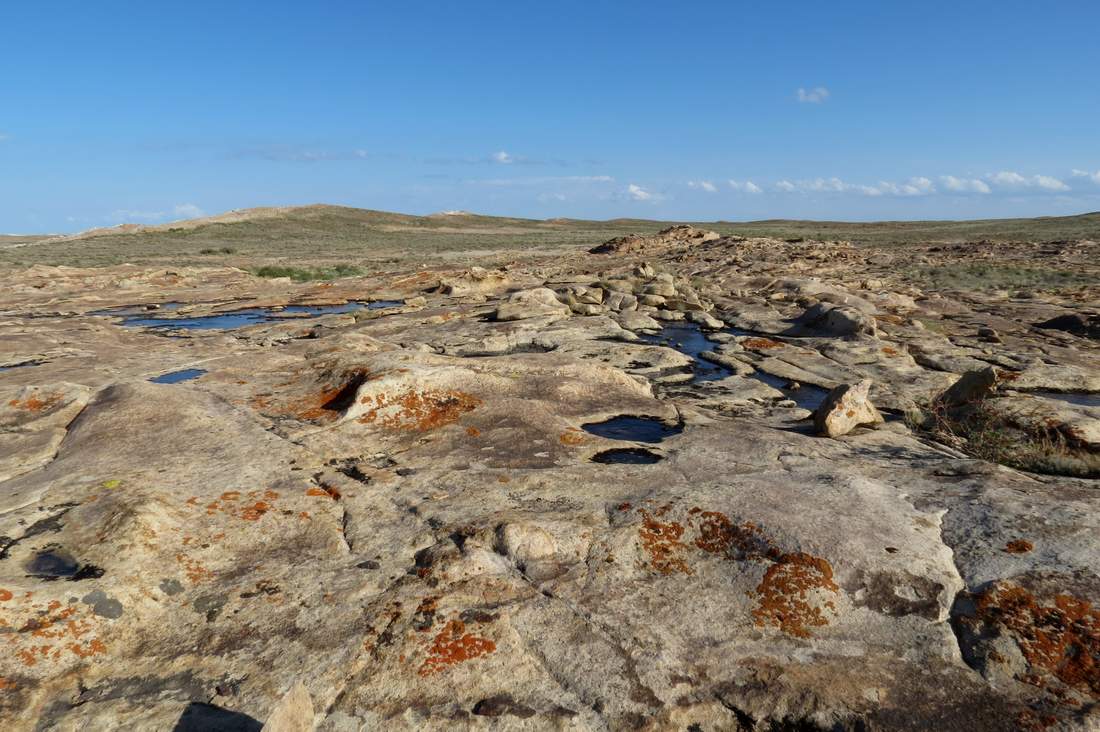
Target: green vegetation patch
<point>301,274</point>
<point>981,276</point>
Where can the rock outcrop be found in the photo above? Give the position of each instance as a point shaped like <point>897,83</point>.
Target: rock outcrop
<point>539,302</point>
<point>558,491</point>
<point>646,244</point>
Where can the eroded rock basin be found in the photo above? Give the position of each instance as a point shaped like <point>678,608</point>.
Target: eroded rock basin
<point>175,377</point>
<point>238,318</point>
<point>637,429</point>
<point>691,341</point>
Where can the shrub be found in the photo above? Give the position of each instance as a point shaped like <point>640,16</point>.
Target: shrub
<point>984,433</point>
<point>299,274</point>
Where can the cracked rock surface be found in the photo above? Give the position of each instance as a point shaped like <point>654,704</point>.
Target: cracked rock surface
<point>406,517</point>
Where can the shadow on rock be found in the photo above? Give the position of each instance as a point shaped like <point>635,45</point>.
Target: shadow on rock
<point>199,717</point>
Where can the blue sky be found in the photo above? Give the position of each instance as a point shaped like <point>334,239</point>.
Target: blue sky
<point>116,112</point>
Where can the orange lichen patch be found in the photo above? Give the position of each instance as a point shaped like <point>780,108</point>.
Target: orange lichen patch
<point>453,645</point>
<point>719,535</point>
<point>1018,546</point>
<point>28,657</point>
<point>327,491</point>
<point>473,432</point>
<point>36,402</point>
<point>794,594</point>
<point>194,569</point>
<point>890,351</point>
<point>5,595</point>
<point>49,625</point>
<point>256,505</point>
<point>1059,635</point>
<point>324,405</point>
<point>93,648</point>
<point>760,344</point>
<point>662,541</point>
<point>418,411</point>
<point>572,437</point>
<point>1003,375</point>
<point>256,511</point>
<point>7,683</point>
<point>313,407</point>
<point>43,635</point>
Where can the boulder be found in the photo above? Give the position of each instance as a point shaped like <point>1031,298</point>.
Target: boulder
<point>1086,326</point>
<point>845,408</point>
<point>537,302</point>
<point>973,386</point>
<point>634,320</point>
<point>706,320</point>
<point>838,320</point>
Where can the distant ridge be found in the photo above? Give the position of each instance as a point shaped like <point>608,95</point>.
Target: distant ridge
<point>335,234</point>
<point>229,217</point>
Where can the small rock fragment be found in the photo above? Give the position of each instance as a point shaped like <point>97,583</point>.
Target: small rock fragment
<point>845,408</point>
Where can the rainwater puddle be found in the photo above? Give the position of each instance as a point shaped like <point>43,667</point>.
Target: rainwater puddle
<point>688,339</point>
<point>626,456</point>
<point>53,563</point>
<point>806,396</point>
<point>634,429</point>
<point>175,377</point>
<point>246,317</point>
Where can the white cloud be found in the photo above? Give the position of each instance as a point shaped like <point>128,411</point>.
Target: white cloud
<point>919,186</point>
<point>705,185</point>
<point>964,185</point>
<point>1049,183</point>
<point>180,211</point>
<point>638,193</point>
<point>745,186</point>
<point>1008,178</point>
<point>913,187</point>
<point>824,184</point>
<point>125,215</point>
<point>188,211</point>
<point>1094,177</point>
<point>1012,179</point>
<point>817,95</point>
<point>503,158</point>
